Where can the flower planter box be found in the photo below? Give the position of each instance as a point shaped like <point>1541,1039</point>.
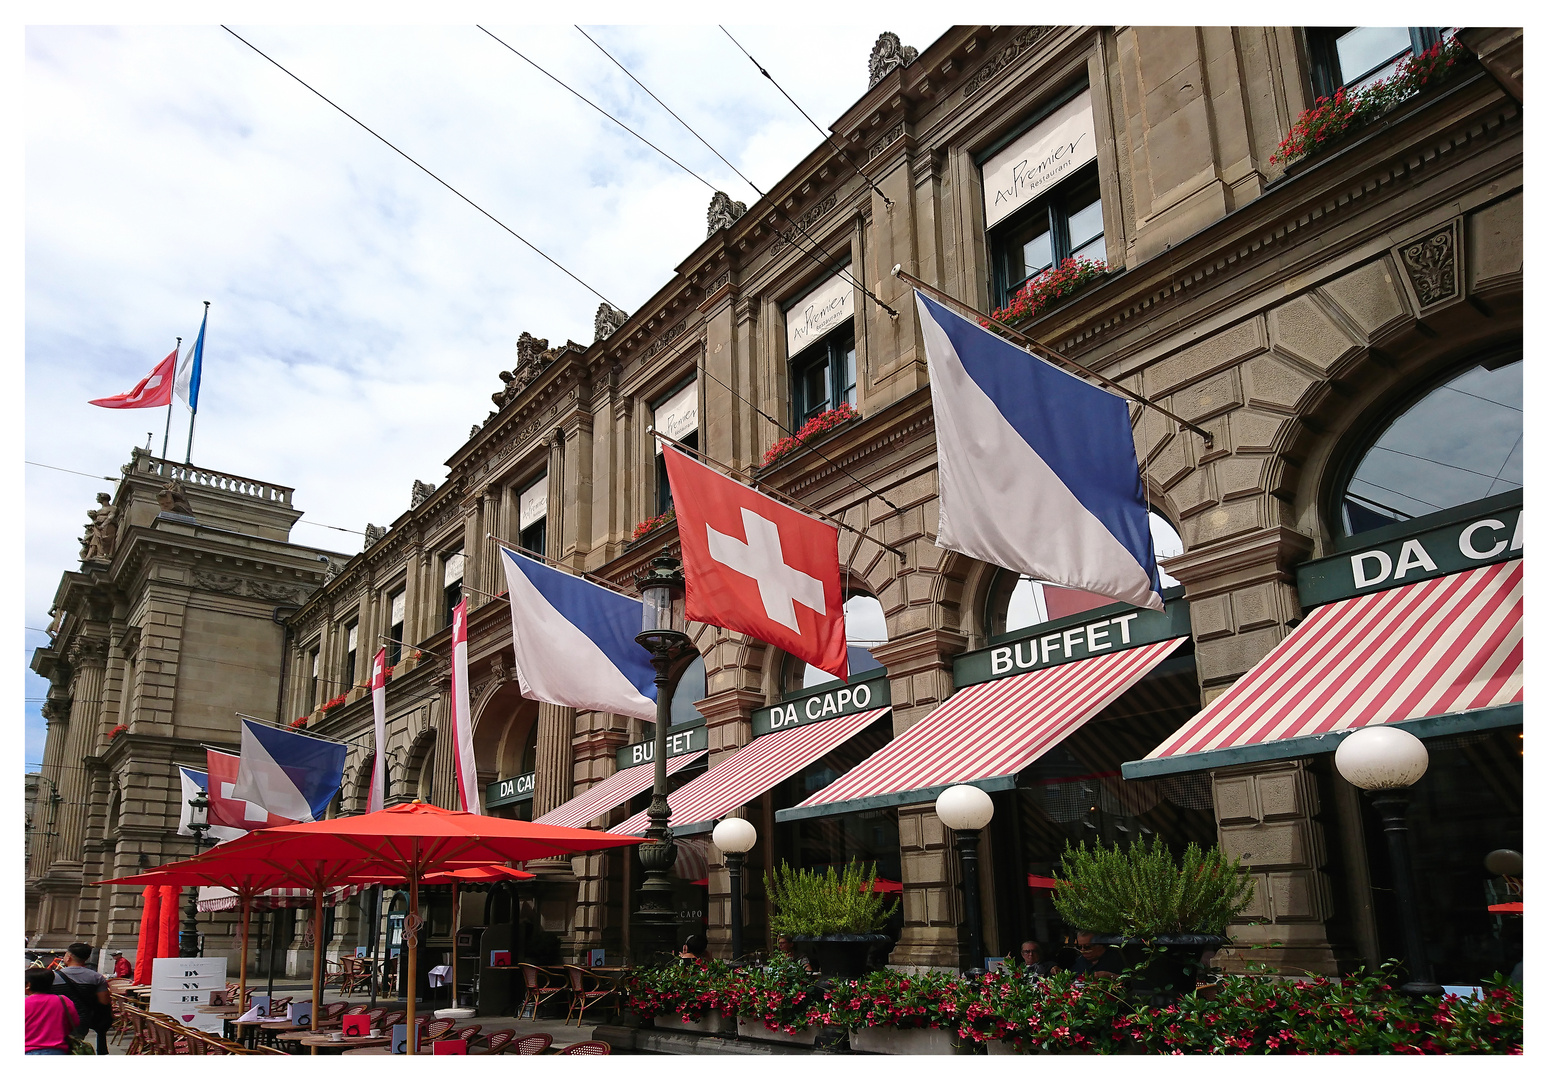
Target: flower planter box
<point>1002,1046</point>
<point>754,1029</point>
<point>891,1040</point>
<point>714,1023</point>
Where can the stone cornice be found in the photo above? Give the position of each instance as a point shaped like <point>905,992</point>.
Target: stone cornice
<point>1264,555</point>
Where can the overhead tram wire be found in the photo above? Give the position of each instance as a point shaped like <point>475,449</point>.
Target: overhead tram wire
<point>826,135</point>
<point>548,258</point>
<point>795,224</point>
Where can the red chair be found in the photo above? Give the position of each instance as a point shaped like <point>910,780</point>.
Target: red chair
<point>469,1033</point>
<point>533,1044</point>
<point>592,1046</point>
<point>497,1041</point>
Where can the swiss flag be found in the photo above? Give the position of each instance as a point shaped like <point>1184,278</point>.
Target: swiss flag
<point>755,565</point>
<point>234,813</point>
<point>153,390</point>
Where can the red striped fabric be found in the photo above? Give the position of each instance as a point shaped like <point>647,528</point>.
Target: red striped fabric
<point>1447,645</point>
<point>996,728</point>
<point>754,769</point>
<point>614,791</point>
<point>270,899</point>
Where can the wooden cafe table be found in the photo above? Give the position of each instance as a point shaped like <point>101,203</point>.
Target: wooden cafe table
<point>346,1044</point>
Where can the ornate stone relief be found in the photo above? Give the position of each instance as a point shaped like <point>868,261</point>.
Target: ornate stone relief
<point>608,320</point>
<point>422,490</point>
<point>888,53</point>
<point>722,212</point>
<point>786,237</point>
<point>87,650</point>
<point>173,499</point>
<point>997,63</point>
<point>1431,266</point>
<point>533,357</point>
<point>373,533</point>
<point>101,530</point>
<point>233,585</point>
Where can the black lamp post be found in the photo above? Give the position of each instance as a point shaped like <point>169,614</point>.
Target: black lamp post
<point>1386,762</point>
<point>735,838</point>
<point>656,917</point>
<point>198,824</point>
<point>964,810</point>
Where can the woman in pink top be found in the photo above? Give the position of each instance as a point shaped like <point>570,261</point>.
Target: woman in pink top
<point>50,1016</point>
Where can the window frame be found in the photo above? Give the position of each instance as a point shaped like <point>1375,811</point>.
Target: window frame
<point>448,601</point>
<point>1327,74</point>
<point>538,530</point>
<point>1055,209</point>
<point>351,655</point>
<point>829,352</point>
<point>663,487</point>
<point>395,630</point>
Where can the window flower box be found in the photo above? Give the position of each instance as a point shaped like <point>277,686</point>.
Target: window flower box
<point>711,1023</point>
<point>753,1028</point>
<point>814,428</point>
<point>1053,284</point>
<point>894,1040</point>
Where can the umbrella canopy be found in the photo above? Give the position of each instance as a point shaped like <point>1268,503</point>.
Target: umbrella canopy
<point>476,875</point>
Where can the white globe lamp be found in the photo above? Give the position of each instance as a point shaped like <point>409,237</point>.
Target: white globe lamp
<point>1381,758</point>
<point>964,809</point>
<point>735,837</point>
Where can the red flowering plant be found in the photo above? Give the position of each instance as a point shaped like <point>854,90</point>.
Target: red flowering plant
<point>651,524</point>
<point>898,999</point>
<point>117,731</point>
<point>331,703</point>
<point>817,425</point>
<point>299,722</point>
<point>1347,109</point>
<point>782,994</point>
<point>1057,281</point>
<point>685,988</point>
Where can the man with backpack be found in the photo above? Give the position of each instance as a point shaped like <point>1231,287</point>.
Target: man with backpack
<point>88,991</point>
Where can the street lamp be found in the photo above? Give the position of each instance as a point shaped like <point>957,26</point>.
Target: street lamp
<point>1386,761</point>
<point>656,918</point>
<point>735,837</point>
<point>198,824</point>
<point>964,810</point>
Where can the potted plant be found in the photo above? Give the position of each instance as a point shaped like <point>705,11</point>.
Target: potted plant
<point>833,918</point>
<point>684,995</point>
<point>1162,913</point>
<point>898,1012</point>
<point>775,1002</point>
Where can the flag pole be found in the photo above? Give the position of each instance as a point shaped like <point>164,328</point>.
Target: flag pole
<point>194,409</point>
<point>167,434</point>
<point>1033,345</point>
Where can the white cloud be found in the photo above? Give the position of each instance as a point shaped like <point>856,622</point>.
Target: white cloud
<point>360,311</point>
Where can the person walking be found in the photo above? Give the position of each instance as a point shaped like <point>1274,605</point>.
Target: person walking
<point>50,1016</point>
<point>88,990</point>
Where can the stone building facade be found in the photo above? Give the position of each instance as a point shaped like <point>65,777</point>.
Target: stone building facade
<point>1290,311</point>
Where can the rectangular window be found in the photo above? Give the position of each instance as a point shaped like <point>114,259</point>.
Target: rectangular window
<point>351,644</point>
<point>316,663</point>
<point>532,516</point>
<point>1354,57</point>
<point>823,376</point>
<point>396,608</point>
<point>452,584</point>
<point>1042,200</point>
<point>677,417</point>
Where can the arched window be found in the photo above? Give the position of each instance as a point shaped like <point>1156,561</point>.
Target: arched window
<point>1016,601</point>
<point>1458,443</point>
<point>689,688</point>
<point>865,625</point>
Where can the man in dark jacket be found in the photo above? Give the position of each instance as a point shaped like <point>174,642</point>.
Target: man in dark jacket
<point>89,992</point>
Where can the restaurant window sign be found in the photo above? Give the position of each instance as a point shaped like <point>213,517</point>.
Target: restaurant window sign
<point>823,309</point>
<point>874,693</point>
<point>1029,167</point>
<point>678,416</point>
<point>684,740</point>
<point>514,790</point>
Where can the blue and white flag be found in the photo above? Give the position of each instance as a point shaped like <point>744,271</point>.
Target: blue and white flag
<point>193,782</point>
<point>288,773</point>
<point>189,366</point>
<point>574,641</point>
<point>1037,467</point>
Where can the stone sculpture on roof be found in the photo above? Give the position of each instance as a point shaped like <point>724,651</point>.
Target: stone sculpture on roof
<point>888,53</point>
<point>722,212</point>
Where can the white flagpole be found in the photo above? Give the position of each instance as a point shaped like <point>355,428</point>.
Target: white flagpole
<point>462,713</point>
<point>378,796</point>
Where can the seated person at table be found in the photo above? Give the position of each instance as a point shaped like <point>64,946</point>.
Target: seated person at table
<point>1032,961</point>
<point>1095,960</point>
<point>693,948</point>
<point>785,956</point>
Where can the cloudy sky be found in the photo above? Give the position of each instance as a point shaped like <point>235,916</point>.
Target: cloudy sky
<point>359,312</point>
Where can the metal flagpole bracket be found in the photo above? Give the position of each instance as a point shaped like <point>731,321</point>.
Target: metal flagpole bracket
<point>1042,351</point>
<point>555,563</point>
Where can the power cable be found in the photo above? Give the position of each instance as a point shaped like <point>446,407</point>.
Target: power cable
<point>826,135</point>
<point>418,166</point>
<point>795,224</point>
<point>75,472</point>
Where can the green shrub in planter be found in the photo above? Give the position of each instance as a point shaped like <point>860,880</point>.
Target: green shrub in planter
<point>1142,891</point>
<point>806,903</point>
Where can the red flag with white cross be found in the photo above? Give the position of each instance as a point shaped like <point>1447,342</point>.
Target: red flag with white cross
<point>227,810</point>
<point>757,566</point>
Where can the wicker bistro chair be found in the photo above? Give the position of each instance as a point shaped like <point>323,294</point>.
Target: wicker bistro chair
<point>586,990</point>
<point>532,1044</point>
<point>470,1033</point>
<point>435,1031</point>
<point>541,984</point>
<point>591,1046</point>
<point>496,1041</point>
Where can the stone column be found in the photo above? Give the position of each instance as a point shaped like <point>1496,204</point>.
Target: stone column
<point>555,757</point>
<point>489,551</point>
<point>88,659</point>
<point>473,543</point>
<point>45,815</point>
<point>555,534</point>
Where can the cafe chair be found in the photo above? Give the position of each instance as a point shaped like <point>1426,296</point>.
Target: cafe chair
<point>591,1046</point>
<point>586,990</point>
<point>389,1019</point>
<point>532,1044</point>
<point>435,1030</point>
<point>496,1041</point>
<point>541,984</point>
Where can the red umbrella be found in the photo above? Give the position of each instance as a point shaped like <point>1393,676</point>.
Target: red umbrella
<point>166,938</point>
<point>471,876</point>
<point>150,923</point>
<point>404,842</point>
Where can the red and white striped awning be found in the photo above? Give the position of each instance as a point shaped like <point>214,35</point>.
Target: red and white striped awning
<point>614,791</point>
<point>989,731</point>
<point>754,769</point>
<point>1444,646</point>
<point>214,898</point>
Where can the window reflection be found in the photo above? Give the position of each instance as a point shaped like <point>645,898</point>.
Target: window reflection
<point>865,624</point>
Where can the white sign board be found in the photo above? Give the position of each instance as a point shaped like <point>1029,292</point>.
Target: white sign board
<point>171,972</point>
<point>823,309</point>
<point>182,1006</point>
<point>1039,159</point>
<point>678,416</point>
<point>180,984</point>
<point>533,503</point>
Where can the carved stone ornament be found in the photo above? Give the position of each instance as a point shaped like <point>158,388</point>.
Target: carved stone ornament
<point>608,320</point>
<point>475,429</point>
<point>173,499</point>
<point>722,212</point>
<point>102,531</point>
<point>422,490</point>
<point>1431,265</point>
<point>87,650</point>
<point>234,585</point>
<point>533,357</point>
<point>373,533</point>
<point>889,52</point>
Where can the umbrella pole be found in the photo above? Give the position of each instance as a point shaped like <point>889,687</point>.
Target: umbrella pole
<point>454,922</point>
<point>411,942</point>
<point>317,951</point>
<point>247,915</point>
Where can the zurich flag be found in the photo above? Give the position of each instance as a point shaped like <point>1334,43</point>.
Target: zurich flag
<point>1037,467</point>
<point>574,641</point>
<point>288,773</point>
